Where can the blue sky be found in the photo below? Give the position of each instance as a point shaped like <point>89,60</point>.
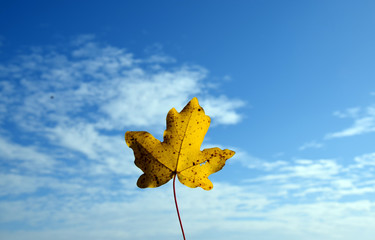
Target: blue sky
<point>289,85</point>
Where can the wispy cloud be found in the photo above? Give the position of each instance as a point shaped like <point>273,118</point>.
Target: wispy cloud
<point>25,157</point>
<point>364,122</point>
<point>365,160</point>
<point>121,89</point>
<point>68,109</point>
<point>255,208</point>
<point>77,98</point>
<point>312,144</point>
<point>63,116</point>
<point>67,174</point>
<point>320,179</point>
<point>249,161</point>
<point>348,113</point>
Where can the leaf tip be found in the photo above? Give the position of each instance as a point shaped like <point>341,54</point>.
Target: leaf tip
<point>194,100</point>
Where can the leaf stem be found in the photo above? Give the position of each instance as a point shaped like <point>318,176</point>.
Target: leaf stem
<point>175,200</point>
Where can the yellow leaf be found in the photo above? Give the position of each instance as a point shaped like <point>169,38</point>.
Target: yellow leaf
<point>180,152</point>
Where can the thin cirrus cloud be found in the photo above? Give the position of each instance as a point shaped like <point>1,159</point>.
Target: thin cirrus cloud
<point>325,191</point>
<point>64,113</point>
<point>312,144</point>
<point>364,122</point>
<point>63,116</point>
<point>69,174</point>
<point>75,98</point>
<point>319,179</point>
<point>108,84</point>
<point>27,158</point>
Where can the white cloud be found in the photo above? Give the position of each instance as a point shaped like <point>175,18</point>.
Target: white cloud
<point>85,98</point>
<point>82,39</point>
<point>26,157</point>
<point>249,161</point>
<point>307,179</point>
<point>79,205</point>
<point>5,99</point>
<point>151,214</point>
<point>106,154</point>
<point>159,59</point>
<point>348,113</point>
<point>88,190</point>
<point>322,179</point>
<point>12,184</point>
<point>16,184</point>
<point>364,122</point>
<point>343,183</point>
<point>119,89</point>
<point>312,144</point>
<point>73,107</point>
<point>300,168</point>
<point>146,99</point>
<point>365,160</point>
<point>321,169</point>
<point>215,107</point>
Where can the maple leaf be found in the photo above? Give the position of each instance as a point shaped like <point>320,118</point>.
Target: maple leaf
<point>180,152</point>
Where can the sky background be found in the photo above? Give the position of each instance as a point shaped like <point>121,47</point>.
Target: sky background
<point>289,86</point>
